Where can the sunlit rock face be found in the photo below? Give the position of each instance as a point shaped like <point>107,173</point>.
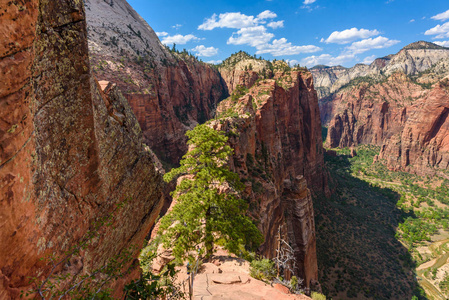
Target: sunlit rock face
<point>69,152</point>
<point>276,134</point>
<point>169,92</point>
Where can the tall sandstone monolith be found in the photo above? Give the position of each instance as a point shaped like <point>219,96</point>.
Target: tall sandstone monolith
<point>69,152</point>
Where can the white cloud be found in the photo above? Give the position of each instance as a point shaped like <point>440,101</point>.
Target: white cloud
<point>202,50</point>
<point>253,36</point>
<point>412,20</point>
<point>162,33</point>
<point>327,59</point>
<point>379,42</point>
<point>177,26</point>
<point>369,59</point>
<point>259,38</point>
<point>236,20</point>
<point>350,35</point>
<point>307,2</point>
<point>443,43</point>
<point>266,15</point>
<point>282,47</point>
<point>179,39</point>
<point>443,16</point>
<point>228,20</point>
<point>252,31</point>
<point>441,31</point>
<point>274,25</point>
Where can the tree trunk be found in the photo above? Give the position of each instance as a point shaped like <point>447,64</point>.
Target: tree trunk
<point>209,239</point>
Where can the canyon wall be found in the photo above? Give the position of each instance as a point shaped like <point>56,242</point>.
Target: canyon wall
<point>404,113</point>
<point>70,154</point>
<point>370,112</point>
<point>411,60</point>
<point>423,144</point>
<point>276,134</point>
<point>279,149</point>
<point>169,91</point>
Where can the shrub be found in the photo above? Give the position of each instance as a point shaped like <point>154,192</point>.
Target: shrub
<point>318,296</point>
<point>262,269</point>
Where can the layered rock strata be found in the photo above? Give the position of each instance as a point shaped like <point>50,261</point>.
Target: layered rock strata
<point>370,112</point>
<point>169,91</point>
<point>411,60</point>
<point>275,133</point>
<point>69,153</point>
<point>405,116</point>
<point>423,144</point>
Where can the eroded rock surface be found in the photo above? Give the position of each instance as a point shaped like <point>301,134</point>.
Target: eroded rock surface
<point>275,132</point>
<point>170,92</point>
<point>423,144</point>
<point>405,115</point>
<point>411,60</point>
<point>69,153</point>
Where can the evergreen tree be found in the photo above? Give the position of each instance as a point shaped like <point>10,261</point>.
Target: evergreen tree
<point>208,206</point>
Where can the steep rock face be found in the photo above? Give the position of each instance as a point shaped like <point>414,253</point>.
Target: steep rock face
<point>370,113</point>
<point>241,69</point>
<point>275,132</point>
<point>405,115</point>
<point>170,92</point>
<point>69,153</point>
<point>411,60</point>
<point>423,143</point>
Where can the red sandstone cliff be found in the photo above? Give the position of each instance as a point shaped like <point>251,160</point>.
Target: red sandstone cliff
<point>370,113</point>
<point>170,92</point>
<point>276,134</point>
<point>423,144</point>
<point>69,153</point>
<point>406,117</point>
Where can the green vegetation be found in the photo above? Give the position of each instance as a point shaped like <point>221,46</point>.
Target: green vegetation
<point>154,286</point>
<point>239,92</point>
<point>387,220</point>
<point>263,269</point>
<point>318,296</point>
<point>444,284</point>
<point>204,213</point>
<point>367,80</point>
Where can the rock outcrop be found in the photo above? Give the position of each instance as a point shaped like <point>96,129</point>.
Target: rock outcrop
<point>243,70</point>
<point>406,115</point>
<point>276,135</point>
<point>169,91</point>
<point>423,144</point>
<point>70,154</point>
<point>411,60</point>
<point>370,112</point>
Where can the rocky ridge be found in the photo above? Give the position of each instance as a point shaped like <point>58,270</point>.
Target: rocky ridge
<point>411,60</point>
<point>275,131</point>
<point>406,115</point>
<point>74,150</point>
<point>169,91</point>
<point>70,153</point>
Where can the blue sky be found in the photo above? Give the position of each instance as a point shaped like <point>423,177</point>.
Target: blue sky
<point>308,32</point>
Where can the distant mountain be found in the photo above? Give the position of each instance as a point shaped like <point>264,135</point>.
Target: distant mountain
<point>422,45</point>
<point>403,108</point>
<point>411,60</point>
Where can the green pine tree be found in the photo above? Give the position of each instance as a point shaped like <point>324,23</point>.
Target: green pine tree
<point>208,205</point>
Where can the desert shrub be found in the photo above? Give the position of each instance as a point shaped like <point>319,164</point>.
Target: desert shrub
<point>318,296</point>
<point>262,269</point>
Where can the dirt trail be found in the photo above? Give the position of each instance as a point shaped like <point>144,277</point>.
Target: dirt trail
<point>441,259</point>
